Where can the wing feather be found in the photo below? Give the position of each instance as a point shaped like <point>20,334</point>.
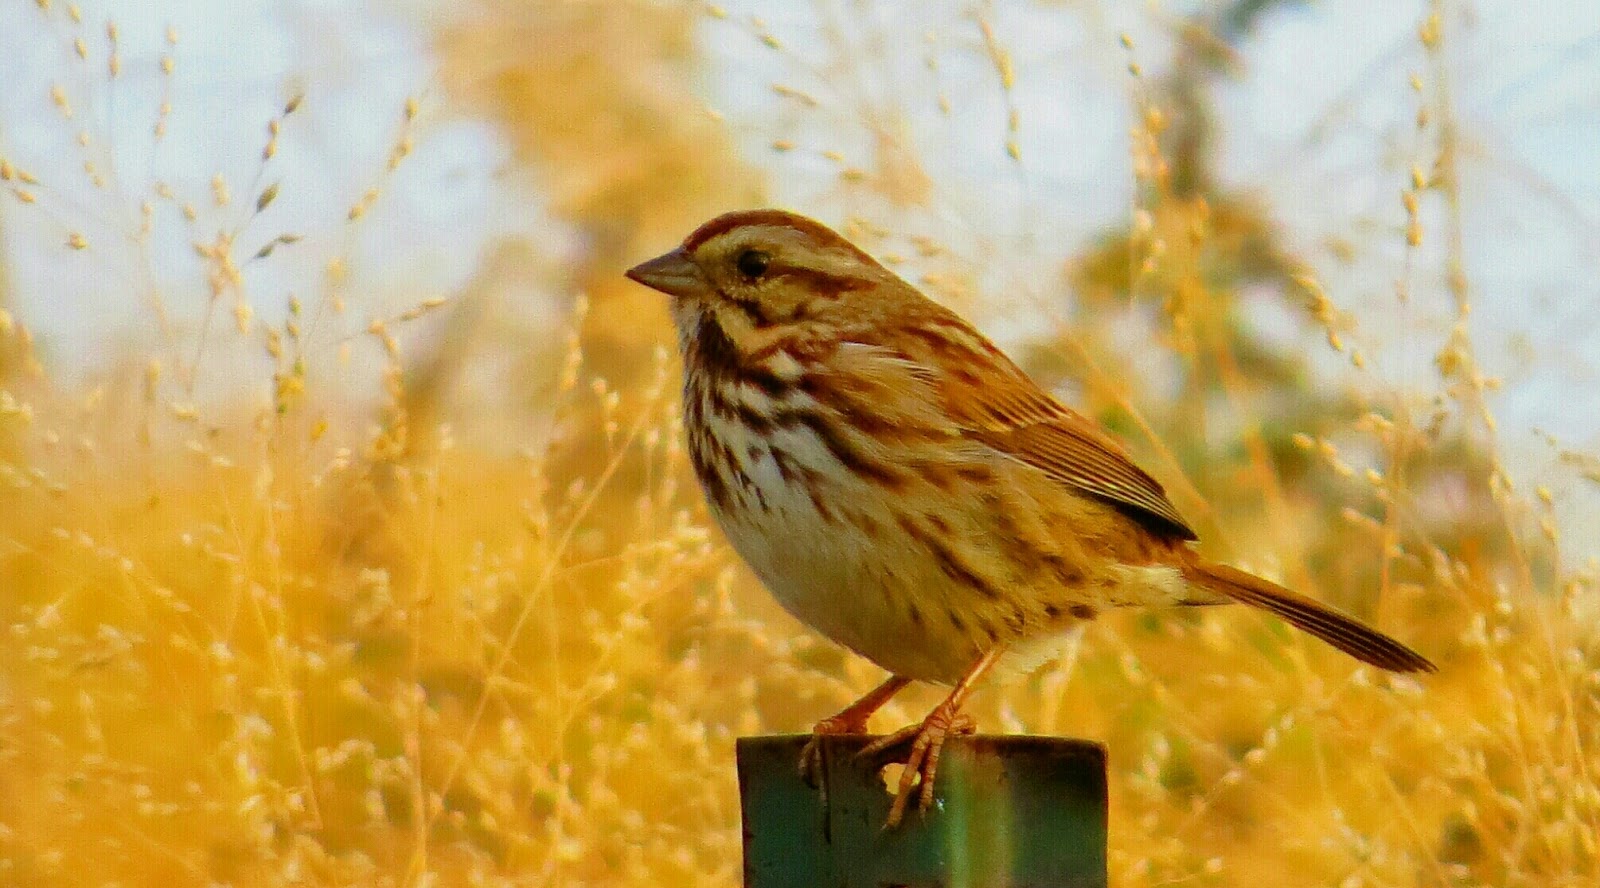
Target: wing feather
<point>996,404</point>
<point>1071,455</point>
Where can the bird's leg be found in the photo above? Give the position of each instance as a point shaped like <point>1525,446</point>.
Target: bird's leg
<point>927,740</point>
<point>850,720</point>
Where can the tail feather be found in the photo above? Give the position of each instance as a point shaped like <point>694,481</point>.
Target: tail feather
<point>1365,644</point>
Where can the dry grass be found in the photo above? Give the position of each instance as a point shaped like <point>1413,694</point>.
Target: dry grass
<point>285,640</point>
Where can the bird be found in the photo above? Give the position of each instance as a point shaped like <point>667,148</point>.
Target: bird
<point>902,487</point>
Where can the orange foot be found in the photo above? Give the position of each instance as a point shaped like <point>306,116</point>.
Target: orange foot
<point>832,726</point>
<point>922,761</point>
<point>852,720</point>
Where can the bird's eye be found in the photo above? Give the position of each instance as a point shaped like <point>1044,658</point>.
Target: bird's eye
<point>752,263</point>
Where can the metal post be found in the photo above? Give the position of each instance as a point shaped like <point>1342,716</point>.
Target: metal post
<point>1023,812</point>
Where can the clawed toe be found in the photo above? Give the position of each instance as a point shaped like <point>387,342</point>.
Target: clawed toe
<point>811,753</point>
<point>811,760</point>
<point>922,759</point>
<point>887,742</point>
<point>852,720</point>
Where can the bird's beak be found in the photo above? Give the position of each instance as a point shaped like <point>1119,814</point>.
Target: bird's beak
<point>674,274</point>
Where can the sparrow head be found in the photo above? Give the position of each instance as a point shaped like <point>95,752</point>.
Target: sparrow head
<point>759,274</point>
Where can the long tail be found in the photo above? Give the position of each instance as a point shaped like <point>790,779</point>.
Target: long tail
<point>1365,644</point>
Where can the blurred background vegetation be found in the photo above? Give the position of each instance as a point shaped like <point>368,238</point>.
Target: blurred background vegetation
<point>345,531</point>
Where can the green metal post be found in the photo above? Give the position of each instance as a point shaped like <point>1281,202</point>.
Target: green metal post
<point>1009,812</point>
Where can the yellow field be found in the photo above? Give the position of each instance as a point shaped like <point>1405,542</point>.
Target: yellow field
<point>346,628</point>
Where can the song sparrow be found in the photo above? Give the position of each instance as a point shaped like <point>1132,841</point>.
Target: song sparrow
<point>903,488</point>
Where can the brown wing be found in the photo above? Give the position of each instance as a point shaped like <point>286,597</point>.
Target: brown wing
<point>1002,408</point>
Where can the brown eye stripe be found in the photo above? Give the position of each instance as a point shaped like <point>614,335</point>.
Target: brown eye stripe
<point>820,284</point>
